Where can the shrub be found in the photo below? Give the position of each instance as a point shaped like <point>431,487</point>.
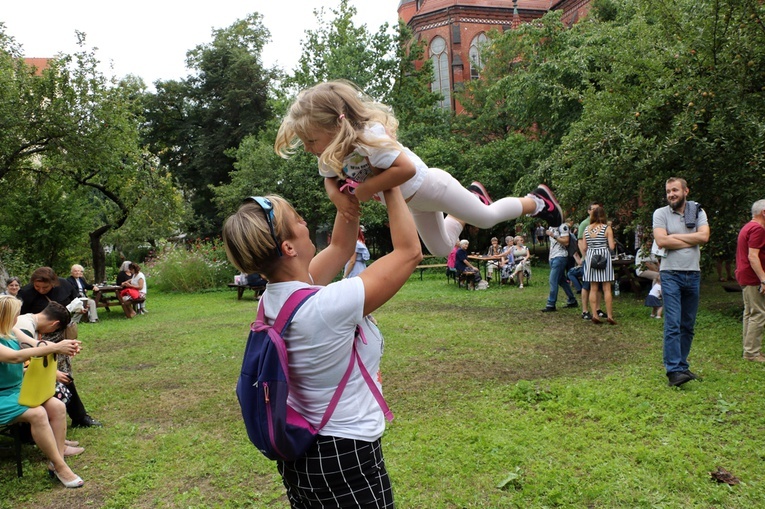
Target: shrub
<point>190,268</point>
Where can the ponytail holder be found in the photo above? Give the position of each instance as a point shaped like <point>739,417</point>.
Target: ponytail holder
<point>342,116</point>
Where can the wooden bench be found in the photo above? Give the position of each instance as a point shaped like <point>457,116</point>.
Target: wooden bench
<point>423,268</point>
<point>241,288</point>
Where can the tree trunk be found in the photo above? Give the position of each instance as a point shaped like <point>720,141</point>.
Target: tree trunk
<point>99,256</point>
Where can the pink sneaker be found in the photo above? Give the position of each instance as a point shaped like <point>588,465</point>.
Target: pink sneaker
<point>477,189</point>
<point>551,212</point>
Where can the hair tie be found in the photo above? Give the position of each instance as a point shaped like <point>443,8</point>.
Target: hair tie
<point>342,116</point>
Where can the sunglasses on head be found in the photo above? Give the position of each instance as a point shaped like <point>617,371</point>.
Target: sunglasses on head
<point>268,209</point>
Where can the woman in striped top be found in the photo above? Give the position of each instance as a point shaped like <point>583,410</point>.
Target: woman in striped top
<point>599,239</point>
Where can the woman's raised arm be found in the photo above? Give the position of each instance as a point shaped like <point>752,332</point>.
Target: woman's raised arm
<point>383,278</point>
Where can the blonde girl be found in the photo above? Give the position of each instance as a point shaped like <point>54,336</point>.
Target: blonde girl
<point>47,421</point>
<point>359,157</point>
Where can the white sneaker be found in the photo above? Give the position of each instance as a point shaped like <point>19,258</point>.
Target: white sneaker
<point>520,286</point>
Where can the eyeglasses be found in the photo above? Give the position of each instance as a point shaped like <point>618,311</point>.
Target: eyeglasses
<point>268,209</point>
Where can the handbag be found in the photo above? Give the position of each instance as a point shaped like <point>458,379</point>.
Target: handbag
<point>39,382</point>
<point>599,261</point>
<point>130,293</point>
<point>71,331</point>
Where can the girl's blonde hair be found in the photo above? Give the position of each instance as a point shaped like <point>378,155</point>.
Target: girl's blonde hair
<point>9,311</point>
<point>340,108</point>
<point>247,237</point>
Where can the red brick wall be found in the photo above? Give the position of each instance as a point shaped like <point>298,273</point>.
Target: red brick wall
<point>437,17</point>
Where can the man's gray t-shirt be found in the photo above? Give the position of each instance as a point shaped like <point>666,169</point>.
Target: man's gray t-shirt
<point>686,258</point>
<point>556,248</point>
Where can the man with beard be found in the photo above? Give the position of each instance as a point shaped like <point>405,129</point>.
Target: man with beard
<point>679,229</point>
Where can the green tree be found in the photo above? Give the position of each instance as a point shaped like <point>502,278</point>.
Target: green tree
<point>636,93</point>
<point>194,123</point>
<point>339,49</point>
<point>77,161</point>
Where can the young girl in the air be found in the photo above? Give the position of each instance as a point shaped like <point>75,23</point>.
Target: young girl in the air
<point>355,140</point>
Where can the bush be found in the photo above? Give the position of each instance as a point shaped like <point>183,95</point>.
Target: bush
<point>190,268</point>
<point>17,263</point>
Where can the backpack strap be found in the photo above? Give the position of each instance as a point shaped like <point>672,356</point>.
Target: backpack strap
<point>286,313</point>
<point>355,357</point>
<point>290,307</point>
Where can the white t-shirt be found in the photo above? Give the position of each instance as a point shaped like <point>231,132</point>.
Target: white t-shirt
<point>358,164</point>
<point>27,323</point>
<point>139,277</point>
<point>319,346</point>
<point>558,250</point>
<point>643,256</point>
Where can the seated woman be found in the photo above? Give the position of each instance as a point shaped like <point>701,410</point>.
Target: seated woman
<point>463,265</point>
<point>47,421</point>
<point>134,292</point>
<point>522,256</point>
<point>494,257</point>
<point>266,235</point>
<point>12,287</point>
<point>507,262</point>
<point>124,273</point>
<point>82,287</point>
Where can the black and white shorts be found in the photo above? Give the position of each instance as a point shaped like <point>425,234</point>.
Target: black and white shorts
<point>338,473</point>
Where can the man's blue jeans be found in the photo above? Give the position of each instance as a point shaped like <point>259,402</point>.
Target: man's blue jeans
<point>558,277</point>
<point>680,292</point>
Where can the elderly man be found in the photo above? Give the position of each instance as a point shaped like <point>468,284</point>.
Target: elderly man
<point>679,229</point>
<point>750,274</point>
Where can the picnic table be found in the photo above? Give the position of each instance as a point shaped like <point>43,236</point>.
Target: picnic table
<point>483,260</point>
<point>107,295</point>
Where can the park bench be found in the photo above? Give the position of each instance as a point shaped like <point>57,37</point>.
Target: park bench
<point>13,431</point>
<point>241,288</point>
<point>425,266</point>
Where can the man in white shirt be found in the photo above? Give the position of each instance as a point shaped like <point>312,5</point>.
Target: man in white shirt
<point>559,238</point>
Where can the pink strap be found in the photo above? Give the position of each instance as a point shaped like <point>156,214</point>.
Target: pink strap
<point>290,307</point>
<point>350,185</point>
<point>344,381</point>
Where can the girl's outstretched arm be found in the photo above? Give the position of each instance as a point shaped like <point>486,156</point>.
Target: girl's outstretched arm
<point>399,172</point>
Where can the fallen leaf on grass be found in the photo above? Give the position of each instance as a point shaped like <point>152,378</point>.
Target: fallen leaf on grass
<point>513,480</point>
<point>722,475</point>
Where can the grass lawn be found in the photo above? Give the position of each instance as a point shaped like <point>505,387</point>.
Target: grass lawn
<point>497,406</point>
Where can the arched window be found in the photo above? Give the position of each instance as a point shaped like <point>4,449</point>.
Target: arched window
<point>440,58</point>
<point>476,63</point>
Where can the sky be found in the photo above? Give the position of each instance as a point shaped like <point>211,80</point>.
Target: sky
<point>150,38</point>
